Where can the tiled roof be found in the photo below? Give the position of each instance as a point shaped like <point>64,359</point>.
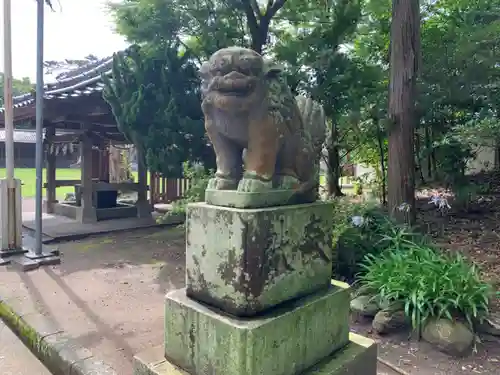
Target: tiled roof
<point>87,81</point>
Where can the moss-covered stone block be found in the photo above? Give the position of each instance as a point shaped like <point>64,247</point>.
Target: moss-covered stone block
<point>286,341</point>
<point>358,357</point>
<point>245,261</point>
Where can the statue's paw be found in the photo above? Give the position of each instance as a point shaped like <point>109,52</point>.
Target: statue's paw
<point>252,185</point>
<point>289,182</point>
<point>219,183</point>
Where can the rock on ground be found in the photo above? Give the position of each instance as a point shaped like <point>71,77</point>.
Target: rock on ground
<point>453,338</point>
<point>491,325</point>
<point>365,306</point>
<point>387,321</point>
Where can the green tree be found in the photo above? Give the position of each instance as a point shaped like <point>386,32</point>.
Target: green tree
<point>156,104</point>
<point>310,43</point>
<point>19,87</point>
<point>458,78</point>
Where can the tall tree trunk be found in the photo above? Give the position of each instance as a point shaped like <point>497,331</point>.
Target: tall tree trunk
<point>405,50</point>
<point>380,142</point>
<point>418,159</point>
<point>428,148</point>
<point>333,175</point>
<point>333,163</point>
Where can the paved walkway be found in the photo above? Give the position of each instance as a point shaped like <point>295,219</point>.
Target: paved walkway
<point>15,358</point>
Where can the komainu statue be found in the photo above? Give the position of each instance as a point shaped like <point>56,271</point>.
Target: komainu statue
<point>264,138</point>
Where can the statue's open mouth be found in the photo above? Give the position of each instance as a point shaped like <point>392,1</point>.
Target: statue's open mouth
<point>234,83</point>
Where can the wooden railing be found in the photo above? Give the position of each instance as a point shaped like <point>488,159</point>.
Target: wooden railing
<point>166,190</point>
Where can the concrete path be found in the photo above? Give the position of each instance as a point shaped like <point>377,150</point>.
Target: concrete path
<point>15,358</point>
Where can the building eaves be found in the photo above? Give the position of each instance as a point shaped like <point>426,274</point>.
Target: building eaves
<point>24,135</point>
<point>86,82</point>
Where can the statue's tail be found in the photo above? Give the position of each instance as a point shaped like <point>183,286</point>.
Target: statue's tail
<point>314,123</point>
<point>313,135</point>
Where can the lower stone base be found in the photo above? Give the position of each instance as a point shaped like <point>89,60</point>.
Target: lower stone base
<point>358,357</point>
<point>286,341</point>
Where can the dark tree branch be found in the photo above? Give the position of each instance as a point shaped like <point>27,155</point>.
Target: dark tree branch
<point>256,9</point>
<point>273,7</point>
<point>252,23</point>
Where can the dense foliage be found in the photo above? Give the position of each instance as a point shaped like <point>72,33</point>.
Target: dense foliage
<point>156,104</point>
<point>357,232</point>
<point>402,269</point>
<point>428,283</point>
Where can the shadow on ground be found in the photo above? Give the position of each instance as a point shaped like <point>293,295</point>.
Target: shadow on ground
<point>163,249</point>
<point>108,293</point>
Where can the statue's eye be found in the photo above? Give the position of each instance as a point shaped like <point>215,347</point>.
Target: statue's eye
<point>223,65</point>
<point>245,65</point>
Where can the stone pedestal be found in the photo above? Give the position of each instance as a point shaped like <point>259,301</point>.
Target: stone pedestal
<point>259,299</point>
<point>245,261</point>
<point>358,357</point>
<point>286,341</point>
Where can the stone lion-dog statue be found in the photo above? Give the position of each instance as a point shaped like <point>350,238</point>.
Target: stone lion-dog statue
<point>264,138</point>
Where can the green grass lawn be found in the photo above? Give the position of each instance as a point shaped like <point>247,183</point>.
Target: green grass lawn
<point>28,178</point>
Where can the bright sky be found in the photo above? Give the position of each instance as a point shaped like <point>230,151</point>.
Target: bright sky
<point>76,29</point>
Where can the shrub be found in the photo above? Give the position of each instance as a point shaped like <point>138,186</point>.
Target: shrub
<point>357,187</point>
<point>198,178</point>
<point>358,230</point>
<point>428,283</point>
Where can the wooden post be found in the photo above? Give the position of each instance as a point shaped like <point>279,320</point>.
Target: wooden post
<point>153,180</point>
<point>104,167</point>
<point>143,207</point>
<point>96,164</point>
<point>51,171</point>
<point>88,211</point>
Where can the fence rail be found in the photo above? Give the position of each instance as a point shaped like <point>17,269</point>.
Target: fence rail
<point>166,190</point>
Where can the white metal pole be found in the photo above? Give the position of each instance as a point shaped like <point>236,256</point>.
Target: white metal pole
<point>8,105</point>
<point>39,126</point>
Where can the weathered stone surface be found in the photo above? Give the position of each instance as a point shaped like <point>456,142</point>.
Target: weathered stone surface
<point>365,306</point>
<point>152,361</point>
<point>244,261</point>
<point>358,357</point>
<point>287,341</point>
<point>387,321</point>
<point>238,199</point>
<point>450,337</point>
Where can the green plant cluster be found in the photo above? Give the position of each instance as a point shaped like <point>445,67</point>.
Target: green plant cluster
<point>198,177</point>
<point>428,283</point>
<point>352,242</point>
<point>397,266</point>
